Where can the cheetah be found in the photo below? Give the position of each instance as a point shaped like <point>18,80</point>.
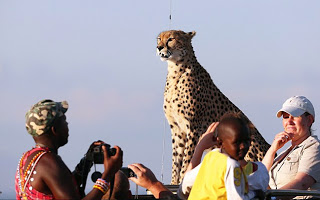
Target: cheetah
<point>192,102</point>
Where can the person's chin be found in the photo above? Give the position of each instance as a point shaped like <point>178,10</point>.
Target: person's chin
<point>291,130</point>
<point>237,157</point>
<point>64,143</point>
<point>241,156</point>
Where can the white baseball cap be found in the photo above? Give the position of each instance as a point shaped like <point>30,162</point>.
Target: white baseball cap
<point>296,106</point>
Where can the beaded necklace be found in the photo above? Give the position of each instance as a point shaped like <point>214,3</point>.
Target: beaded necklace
<point>24,177</point>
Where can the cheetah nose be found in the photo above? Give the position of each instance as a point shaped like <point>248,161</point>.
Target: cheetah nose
<point>159,48</point>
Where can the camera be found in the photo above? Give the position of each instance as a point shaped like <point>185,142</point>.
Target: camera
<point>128,172</point>
<point>96,154</point>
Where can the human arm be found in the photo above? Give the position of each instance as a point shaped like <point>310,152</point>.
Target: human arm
<point>279,141</point>
<point>308,171</point>
<point>302,181</point>
<point>145,178</point>
<point>55,178</point>
<point>58,180</point>
<point>301,169</point>
<point>111,165</point>
<point>207,140</point>
<point>187,182</point>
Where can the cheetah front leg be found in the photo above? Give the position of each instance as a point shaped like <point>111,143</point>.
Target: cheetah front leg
<point>178,136</point>
<point>177,153</point>
<point>183,144</point>
<point>192,138</point>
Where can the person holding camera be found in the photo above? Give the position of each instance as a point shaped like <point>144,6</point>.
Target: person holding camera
<point>42,174</point>
<point>144,177</point>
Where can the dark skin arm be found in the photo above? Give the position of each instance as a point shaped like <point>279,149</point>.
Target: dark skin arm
<point>54,177</point>
<point>111,166</point>
<point>206,141</point>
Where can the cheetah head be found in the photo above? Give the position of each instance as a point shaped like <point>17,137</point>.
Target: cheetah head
<point>174,45</point>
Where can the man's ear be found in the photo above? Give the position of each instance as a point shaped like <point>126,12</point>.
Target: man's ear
<point>53,130</point>
<point>219,141</point>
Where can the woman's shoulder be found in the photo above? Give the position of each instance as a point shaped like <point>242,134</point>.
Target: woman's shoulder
<point>312,143</point>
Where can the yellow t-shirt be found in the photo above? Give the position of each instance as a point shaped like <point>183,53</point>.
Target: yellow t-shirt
<point>220,177</point>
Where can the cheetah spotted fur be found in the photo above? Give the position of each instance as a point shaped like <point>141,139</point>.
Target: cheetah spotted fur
<point>192,102</point>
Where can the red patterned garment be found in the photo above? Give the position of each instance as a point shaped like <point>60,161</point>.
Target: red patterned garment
<point>25,174</point>
<point>23,177</point>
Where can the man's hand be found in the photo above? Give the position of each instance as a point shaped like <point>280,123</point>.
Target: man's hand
<point>111,163</point>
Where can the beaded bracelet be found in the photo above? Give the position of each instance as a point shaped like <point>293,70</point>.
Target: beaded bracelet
<point>102,185</point>
<point>100,188</point>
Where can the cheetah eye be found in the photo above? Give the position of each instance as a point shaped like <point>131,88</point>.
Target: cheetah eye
<point>158,39</point>
<point>170,39</point>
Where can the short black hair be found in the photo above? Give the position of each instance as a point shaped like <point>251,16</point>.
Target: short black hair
<point>234,117</point>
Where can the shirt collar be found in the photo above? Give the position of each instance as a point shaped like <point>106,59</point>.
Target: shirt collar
<point>309,140</point>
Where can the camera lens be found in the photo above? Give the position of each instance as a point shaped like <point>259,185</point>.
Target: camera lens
<point>112,151</point>
<point>95,176</point>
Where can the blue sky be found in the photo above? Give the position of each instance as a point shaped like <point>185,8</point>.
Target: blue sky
<point>100,56</point>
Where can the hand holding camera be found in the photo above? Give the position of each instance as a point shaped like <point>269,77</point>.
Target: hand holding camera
<point>144,176</point>
<point>101,153</point>
<point>111,163</point>
<point>95,152</point>
<point>128,172</point>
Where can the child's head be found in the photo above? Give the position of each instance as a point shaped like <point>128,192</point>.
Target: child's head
<point>234,135</point>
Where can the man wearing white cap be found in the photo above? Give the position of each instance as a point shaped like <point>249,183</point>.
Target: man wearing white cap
<point>298,167</point>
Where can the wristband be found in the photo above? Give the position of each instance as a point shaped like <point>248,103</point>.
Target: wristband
<point>102,185</point>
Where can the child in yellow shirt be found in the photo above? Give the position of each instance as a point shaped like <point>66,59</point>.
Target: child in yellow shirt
<point>223,174</point>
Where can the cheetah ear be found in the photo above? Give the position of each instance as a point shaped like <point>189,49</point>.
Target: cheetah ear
<point>191,34</point>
